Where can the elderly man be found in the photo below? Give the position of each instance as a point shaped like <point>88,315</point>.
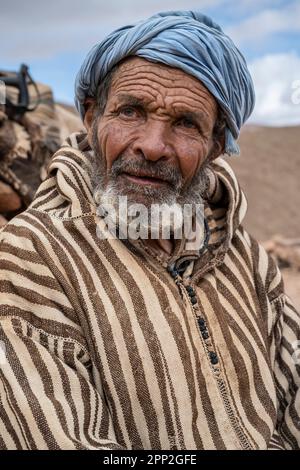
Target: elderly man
<point>140,342</point>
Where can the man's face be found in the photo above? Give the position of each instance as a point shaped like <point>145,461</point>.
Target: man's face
<point>155,134</point>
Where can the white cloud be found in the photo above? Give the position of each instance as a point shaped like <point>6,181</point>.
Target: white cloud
<point>276,79</point>
<point>266,23</point>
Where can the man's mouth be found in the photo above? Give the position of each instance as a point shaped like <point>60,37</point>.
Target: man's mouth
<point>144,179</point>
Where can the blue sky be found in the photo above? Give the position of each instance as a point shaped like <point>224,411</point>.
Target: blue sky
<point>54,36</point>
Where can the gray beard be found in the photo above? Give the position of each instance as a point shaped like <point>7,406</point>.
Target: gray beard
<point>107,188</point>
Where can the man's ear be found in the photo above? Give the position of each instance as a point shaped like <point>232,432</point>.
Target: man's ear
<point>218,148</point>
<point>89,106</point>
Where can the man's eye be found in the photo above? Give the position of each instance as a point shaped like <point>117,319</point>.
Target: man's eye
<point>187,123</point>
<point>128,111</point>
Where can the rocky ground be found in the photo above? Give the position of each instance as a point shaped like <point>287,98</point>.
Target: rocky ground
<point>268,170</point>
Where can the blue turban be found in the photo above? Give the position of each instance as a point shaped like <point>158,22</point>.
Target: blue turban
<point>187,40</point>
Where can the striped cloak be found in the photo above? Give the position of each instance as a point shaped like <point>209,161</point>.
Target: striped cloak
<point>100,349</point>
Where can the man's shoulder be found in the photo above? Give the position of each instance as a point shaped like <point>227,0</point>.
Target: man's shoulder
<point>35,290</point>
<point>23,229</point>
<point>29,242</point>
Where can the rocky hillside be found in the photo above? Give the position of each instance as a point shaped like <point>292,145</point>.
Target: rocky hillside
<point>269,172</point>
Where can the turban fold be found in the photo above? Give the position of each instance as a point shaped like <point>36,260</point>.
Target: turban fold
<point>187,40</point>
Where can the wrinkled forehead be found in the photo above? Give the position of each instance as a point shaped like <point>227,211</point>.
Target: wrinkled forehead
<point>137,62</point>
<point>137,75</point>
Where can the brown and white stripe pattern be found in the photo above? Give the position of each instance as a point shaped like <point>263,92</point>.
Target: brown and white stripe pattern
<point>101,349</point>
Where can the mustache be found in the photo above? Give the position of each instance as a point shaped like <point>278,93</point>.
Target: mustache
<point>159,170</point>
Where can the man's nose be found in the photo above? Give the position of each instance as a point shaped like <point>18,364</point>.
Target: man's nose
<point>154,141</point>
